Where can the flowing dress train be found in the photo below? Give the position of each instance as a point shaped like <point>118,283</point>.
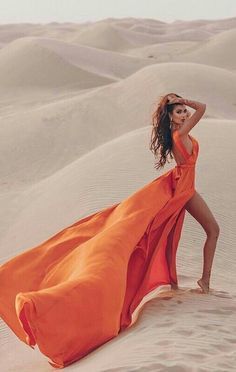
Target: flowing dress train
<point>80,288</point>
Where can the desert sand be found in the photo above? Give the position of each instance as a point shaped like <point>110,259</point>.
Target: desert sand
<point>75,109</point>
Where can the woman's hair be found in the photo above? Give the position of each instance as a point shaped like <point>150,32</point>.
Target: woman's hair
<point>161,140</point>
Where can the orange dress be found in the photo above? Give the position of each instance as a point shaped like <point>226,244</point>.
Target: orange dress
<point>79,288</point>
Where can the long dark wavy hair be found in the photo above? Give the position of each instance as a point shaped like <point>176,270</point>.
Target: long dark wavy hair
<point>161,140</point>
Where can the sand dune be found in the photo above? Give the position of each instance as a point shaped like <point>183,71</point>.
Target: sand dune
<point>164,52</point>
<point>148,29</point>
<point>131,21</point>
<point>25,63</point>
<point>221,24</point>
<point>102,62</point>
<point>214,25</point>
<point>113,37</point>
<point>75,121</point>
<point>103,36</point>
<point>7,36</point>
<point>210,52</point>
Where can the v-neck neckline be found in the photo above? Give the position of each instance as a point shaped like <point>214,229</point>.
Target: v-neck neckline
<point>182,146</point>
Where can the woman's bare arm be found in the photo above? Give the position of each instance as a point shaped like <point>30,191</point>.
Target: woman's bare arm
<point>194,119</point>
<point>194,104</point>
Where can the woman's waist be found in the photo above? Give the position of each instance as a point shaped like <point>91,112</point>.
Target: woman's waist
<point>185,165</point>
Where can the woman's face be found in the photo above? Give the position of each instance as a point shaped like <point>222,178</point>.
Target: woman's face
<point>180,114</point>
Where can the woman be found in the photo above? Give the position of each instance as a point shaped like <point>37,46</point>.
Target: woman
<point>162,137</point>
<point>82,286</point>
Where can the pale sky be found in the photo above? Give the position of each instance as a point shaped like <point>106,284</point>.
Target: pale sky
<point>45,11</point>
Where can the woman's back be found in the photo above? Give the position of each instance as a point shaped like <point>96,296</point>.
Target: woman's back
<point>185,142</point>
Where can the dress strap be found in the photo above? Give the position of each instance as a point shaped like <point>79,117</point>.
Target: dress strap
<point>180,144</point>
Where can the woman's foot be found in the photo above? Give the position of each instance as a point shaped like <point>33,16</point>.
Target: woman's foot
<point>203,285</point>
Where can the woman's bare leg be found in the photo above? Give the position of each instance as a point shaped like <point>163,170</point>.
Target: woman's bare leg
<point>208,254</point>
<point>198,208</point>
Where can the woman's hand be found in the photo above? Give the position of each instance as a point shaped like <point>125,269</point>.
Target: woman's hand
<point>171,100</point>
